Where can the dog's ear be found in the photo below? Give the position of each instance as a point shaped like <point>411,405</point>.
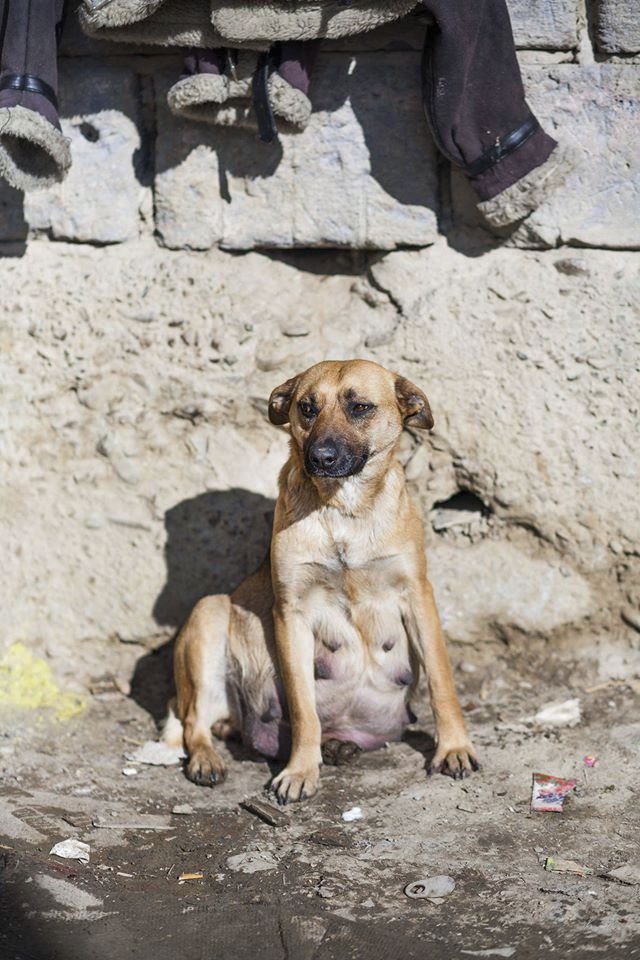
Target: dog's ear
<point>413,404</point>
<point>280,401</point>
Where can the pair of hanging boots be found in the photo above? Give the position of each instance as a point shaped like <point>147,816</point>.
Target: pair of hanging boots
<point>33,150</point>
<point>247,88</point>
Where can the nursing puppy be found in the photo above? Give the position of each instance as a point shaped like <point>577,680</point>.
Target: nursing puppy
<point>320,651</point>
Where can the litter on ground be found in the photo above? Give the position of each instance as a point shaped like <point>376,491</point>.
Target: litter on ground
<point>355,813</point>
<point>72,849</point>
<point>430,888</point>
<point>549,793</point>
<point>558,865</point>
<point>563,714</point>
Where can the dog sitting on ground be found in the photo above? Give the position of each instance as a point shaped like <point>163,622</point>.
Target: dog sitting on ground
<point>319,652</point>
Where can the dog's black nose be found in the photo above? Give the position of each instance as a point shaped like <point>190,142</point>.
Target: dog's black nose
<point>323,456</point>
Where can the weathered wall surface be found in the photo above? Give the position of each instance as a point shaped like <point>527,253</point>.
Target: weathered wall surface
<point>138,466</point>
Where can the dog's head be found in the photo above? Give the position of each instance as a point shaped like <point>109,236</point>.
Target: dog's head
<point>343,413</point>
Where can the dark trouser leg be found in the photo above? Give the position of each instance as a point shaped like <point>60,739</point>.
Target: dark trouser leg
<point>474,97</point>
<point>33,151</point>
<point>296,61</point>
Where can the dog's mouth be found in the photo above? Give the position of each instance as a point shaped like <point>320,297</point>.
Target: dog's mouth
<point>347,465</point>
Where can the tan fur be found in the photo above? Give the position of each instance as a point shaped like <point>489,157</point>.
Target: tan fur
<point>341,618</point>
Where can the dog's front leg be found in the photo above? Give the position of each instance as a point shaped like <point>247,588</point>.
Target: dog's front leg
<point>295,647</point>
<point>454,754</point>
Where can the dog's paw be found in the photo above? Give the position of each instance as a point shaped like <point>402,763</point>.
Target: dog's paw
<point>206,767</point>
<point>337,753</point>
<point>294,784</point>
<point>456,762</point>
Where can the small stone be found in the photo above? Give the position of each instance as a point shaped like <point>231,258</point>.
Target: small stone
<point>631,617</point>
<point>183,809</point>
<point>295,327</point>
<point>572,266</point>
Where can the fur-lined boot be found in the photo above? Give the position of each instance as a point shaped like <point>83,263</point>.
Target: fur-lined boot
<point>475,105</point>
<point>33,150</point>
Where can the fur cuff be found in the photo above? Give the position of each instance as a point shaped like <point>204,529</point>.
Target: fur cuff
<point>292,105</point>
<point>193,96</point>
<point>33,153</point>
<point>241,21</point>
<point>168,23</point>
<point>522,198</point>
<point>116,13</point>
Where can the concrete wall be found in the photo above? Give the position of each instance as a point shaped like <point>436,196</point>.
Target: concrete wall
<point>139,469</point>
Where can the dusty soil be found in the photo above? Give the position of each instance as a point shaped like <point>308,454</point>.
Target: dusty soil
<point>317,886</point>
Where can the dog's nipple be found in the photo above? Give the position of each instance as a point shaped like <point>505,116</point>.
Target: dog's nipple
<point>389,644</point>
<point>405,679</point>
<point>322,671</point>
<point>332,644</point>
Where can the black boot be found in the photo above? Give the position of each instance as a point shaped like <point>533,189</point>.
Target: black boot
<point>475,104</point>
<point>33,150</point>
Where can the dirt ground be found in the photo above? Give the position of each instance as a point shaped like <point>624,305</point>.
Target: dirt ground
<point>315,885</point>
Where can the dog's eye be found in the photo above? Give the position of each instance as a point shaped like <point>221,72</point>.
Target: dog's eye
<point>359,409</point>
<point>307,410</point>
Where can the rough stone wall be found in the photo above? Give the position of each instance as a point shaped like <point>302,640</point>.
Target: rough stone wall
<point>138,466</point>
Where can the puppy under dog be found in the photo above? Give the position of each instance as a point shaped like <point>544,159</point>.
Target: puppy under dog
<point>320,651</point>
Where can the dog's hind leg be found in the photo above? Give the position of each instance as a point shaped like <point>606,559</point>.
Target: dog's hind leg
<point>200,667</point>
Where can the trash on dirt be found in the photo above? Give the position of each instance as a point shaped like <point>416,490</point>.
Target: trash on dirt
<point>265,811</point>
<point>157,753</point>
<point>72,849</point>
<point>465,807</point>
<point>590,760</point>
<point>492,952</point>
<point>628,873</point>
<point>107,687</point>
<point>549,793</point>
<point>253,862</point>
<point>198,875</point>
<point>563,714</point>
<point>182,809</point>
<point>558,865</point>
<point>431,888</point>
<point>129,771</point>
<point>355,813</point>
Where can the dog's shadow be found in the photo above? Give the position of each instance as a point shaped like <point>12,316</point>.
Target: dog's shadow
<point>213,542</point>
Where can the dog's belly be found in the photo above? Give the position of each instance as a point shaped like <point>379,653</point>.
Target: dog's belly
<point>363,673</point>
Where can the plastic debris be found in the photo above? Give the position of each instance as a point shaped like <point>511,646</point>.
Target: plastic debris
<point>182,809</point>
<point>72,849</point>
<point>590,760</point>
<point>492,952</point>
<point>354,814</point>
<point>190,876</point>
<point>129,771</point>
<point>627,873</point>
<point>157,753</point>
<point>549,793</point>
<point>558,865</point>
<point>564,714</point>
<point>432,888</point>
<point>274,816</point>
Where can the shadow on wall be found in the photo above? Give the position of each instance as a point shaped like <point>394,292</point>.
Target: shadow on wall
<point>13,226</point>
<point>213,542</point>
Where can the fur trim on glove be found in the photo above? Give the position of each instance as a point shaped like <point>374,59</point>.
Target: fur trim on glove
<point>519,200</point>
<point>193,96</point>
<point>241,21</point>
<point>33,153</point>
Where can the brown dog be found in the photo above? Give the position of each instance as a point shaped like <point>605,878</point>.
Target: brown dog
<point>322,647</point>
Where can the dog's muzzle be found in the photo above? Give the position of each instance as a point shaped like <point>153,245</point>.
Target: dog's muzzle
<point>331,458</point>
